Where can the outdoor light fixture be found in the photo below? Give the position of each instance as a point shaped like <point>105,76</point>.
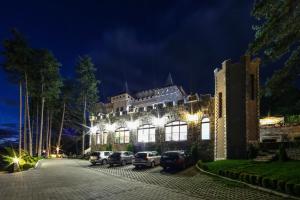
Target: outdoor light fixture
<point>16,160</point>
<point>57,149</point>
<point>192,117</point>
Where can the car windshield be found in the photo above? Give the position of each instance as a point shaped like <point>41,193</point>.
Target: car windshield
<point>141,155</point>
<point>170,155</point>
<point>116,154</point>
<point>95,154</point>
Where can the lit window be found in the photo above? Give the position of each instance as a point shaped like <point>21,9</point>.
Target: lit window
<point>104,134</point>
<point>176,131</point>
<point>101,137</point>
<point>98,138</point>
<point>146,133</point>
<point>122,136</point>
<point>205,129</point>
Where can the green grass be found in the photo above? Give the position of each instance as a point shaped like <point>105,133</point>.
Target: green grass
<point>288,171</point>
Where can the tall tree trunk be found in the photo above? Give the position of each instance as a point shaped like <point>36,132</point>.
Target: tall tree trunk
<point>37,129</point>
<point>61,125</point>
<point>50,134</point>
<point>47,134</point>
<point>84,123</point>
<point>25,126</point>
<point>20,118</point>
<point>28,116</point>
<point>41,128</point>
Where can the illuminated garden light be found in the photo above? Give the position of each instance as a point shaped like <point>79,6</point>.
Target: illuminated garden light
<point>16,160</point>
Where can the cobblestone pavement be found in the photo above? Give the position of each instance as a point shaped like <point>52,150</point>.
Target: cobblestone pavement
<point>74,179</point>
<point>200,185</point>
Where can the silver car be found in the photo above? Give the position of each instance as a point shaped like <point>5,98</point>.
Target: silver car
<point>100,157</point>
<point>146,158</point>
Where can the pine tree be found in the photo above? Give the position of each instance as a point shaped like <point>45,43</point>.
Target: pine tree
<point>17,55</point>
<point>88,91</point>
<point>277,37</point>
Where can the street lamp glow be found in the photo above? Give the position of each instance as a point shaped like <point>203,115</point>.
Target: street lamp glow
<point>57,149</point>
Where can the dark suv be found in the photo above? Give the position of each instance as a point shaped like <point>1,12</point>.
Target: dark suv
<point>120,158</point>
<point>175,159</point>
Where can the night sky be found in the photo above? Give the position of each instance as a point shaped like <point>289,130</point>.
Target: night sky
<point>135,41</point>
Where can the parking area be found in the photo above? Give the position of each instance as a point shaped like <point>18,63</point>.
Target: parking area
<point>187,181</point>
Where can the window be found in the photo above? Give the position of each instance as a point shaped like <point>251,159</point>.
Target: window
<point>122,136</point>
<point>205,133</point>
<point>220,105</point>
<point>146,133</point>
<point>176,131</point>
<point>102,138</point>
<point>98,138</point>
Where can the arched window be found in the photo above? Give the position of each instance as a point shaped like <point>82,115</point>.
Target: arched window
<point>176,131</point>
<point>205,132</point>
<point>146,133</point>
<point>122,136</point>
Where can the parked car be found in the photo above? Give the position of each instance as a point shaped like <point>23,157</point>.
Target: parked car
<point>100,157</point>
<point>120,158</point>
<point>175,159</point>
<point>146,158</point>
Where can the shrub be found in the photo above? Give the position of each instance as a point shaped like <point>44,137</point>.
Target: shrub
<point>247,178</point>
<point>266,182</point>
<point>194,152</point>
<point>296,189</point>
<point>241,176</point>
<point>259,180</point>
<point>129,147</point>
<point>289,188</point>
<point>202,165</point>
<point>282,155</point>
<point>27,166</point>
<point>253,179</point>
<point>109,147</point>
<point>220,172</point>
<point>281,185</point>
<point>274,183</point>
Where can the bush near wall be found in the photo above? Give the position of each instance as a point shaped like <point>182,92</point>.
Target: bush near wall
<point>280,176</point>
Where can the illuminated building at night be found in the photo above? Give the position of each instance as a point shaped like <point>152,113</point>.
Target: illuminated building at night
<point>167,118</point>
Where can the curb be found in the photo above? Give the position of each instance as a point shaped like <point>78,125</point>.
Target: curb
<point>249,185</point>
<point>37,163</point>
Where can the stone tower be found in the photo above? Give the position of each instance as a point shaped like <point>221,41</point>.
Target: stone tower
<point>236,108</point>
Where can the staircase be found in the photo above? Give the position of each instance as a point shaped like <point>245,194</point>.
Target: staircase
<point>265,157</point>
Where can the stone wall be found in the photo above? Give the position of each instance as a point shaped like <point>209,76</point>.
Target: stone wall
<point>203,108</point>
<point>280,133</point>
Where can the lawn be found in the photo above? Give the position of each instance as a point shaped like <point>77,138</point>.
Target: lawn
<point>288,171</point>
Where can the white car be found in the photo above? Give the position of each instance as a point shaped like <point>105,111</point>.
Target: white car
<point>146,158</point>
<point>100,157</point>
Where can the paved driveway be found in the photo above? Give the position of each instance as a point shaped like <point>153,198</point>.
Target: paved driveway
<point>75,179</point>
